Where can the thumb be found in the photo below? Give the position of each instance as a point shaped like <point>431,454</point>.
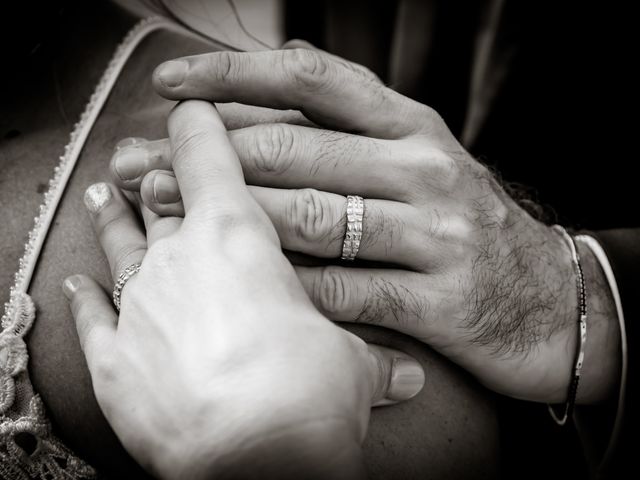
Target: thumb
<point>94,315</point>
<point>396,376</point>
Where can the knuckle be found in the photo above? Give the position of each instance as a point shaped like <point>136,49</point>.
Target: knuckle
<point>308,69</point>
<point>431,114</point>
<point>455,231</point>
<point>226,225</point>
<point>161,255</point>
<point>273,149</point>
<point>187,141</point>
<point>434,167</point>
<point>309,215</point>
<point>333,291</point>
<point>443,166</point>
<point>105,371</point>
<point>127,255</point>
<point>106,222</point>
<point>223,66</point>
<point>428,122</point>
<point>364,72</point>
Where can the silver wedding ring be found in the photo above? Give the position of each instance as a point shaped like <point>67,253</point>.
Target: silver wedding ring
<point>353,234</point>
<point>123,278</point>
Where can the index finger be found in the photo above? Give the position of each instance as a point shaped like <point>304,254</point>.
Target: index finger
<point>327,91</point>
<point>203,160</point>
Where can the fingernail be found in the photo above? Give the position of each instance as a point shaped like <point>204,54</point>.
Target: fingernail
<point>407,379</point>
<point>165,189</point>
<point>97,196</point>
<point>130,141</point>
<point>71,285</point>
<point>171,74</point>
<point>130,163</point>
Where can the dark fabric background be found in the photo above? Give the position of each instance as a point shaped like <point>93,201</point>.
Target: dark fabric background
<point>562,125</point>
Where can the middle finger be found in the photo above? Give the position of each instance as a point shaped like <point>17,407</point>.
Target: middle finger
<point>291,156</point>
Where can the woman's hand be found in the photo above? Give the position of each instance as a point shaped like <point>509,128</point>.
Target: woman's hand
<point>218,363</point>
<point>472,273</point>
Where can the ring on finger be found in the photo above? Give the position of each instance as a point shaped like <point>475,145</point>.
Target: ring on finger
<point>353,233</point>
<point>123,278</point>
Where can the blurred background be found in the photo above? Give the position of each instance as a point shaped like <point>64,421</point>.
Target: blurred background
<point>245,24</point>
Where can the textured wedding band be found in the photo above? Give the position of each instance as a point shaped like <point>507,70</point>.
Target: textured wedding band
<point>353,234</point>
<point>123,278</point>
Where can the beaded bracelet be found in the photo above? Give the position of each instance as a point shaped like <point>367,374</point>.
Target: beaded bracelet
<point>582,329</point>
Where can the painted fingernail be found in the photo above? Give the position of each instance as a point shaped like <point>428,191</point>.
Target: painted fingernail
<point>130,141</point>
<point>407,379</point>
<point>130,162</point>
<point>71,285</point>
<point>171,74</point>
<point>165,189</point>
<point>97,196</point>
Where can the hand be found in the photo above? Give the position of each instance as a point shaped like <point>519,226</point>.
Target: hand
<point>218,363</point>
<point>474,275</point>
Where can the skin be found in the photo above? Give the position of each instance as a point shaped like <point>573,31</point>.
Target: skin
<point>473,274</point>
<point>243,357</point>
<point>449,429</point>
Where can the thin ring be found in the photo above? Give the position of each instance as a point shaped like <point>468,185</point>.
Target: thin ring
<point>353,233</point>
<point>123,278</point>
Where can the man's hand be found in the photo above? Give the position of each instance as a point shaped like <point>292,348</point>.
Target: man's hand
<point>218,364</point>
<point>473,274</point>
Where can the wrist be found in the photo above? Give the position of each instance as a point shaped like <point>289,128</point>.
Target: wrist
<point>317,450</point>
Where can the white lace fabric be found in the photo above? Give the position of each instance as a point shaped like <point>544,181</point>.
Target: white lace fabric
<point>28,448</point>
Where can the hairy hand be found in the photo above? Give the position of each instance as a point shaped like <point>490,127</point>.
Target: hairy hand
<point>218,363</point>
<point>468,270</point>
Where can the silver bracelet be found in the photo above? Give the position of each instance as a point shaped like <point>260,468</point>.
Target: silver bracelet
<point>582,329</point>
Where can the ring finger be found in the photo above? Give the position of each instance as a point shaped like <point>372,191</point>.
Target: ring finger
<point>314,222</point>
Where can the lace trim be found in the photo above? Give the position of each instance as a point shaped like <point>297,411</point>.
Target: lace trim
<point>28,449</point>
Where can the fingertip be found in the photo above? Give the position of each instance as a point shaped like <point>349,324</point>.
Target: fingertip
<point>130,141</point>
<point>81,290</point>
<point>129,163</point>
<point>398,377</point>
<point>160,193</point>
<point>407,379</point>
<point>170,75</point>
<point>298,43</point>
<point>93,313</point>
<point>71,285</point>
<point>165,188</point>
<point>146,189</point>
<point>97,196</point>
<point>78,282</point>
